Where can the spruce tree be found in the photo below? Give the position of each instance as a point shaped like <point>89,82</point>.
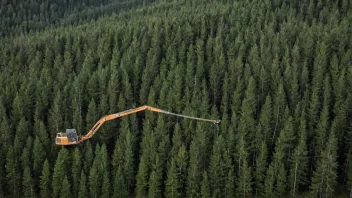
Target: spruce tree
<point>94,182</point>
<point>60,171</point>
<point>105,189</point>
<point>216,167</point>
<point>230,184</point>
<point>65,190</point>
<point>28,183</point>
<point>39,156</point>
<point>205,186</point>
<point>244,181</point>
<point>120,189</point>
<point>88,157</point>
<point>45,180</point>
<point>155,180</point>
<point>299,160</point>
<point>83,191</point>
<point>324,177</point>
<point>265,120</point>
<point>13,173</point>
<point>172,183</point>
<point>76,170</point>
<point>260,169</point>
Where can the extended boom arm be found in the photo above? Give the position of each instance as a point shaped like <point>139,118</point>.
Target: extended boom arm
<point>117,115</point>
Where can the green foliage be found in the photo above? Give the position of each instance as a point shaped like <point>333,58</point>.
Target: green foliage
<point>82,191</point>
<point>65,189</point>
<point>45,179</point>
<point>105,189</point>
<point>324,177</point>
<point>277,73</point>
<point>13,172</point>
<point>205,186</point>
<point>260,169</point>
<point>28,183</point>
<point>60,172</point>
<point>76,170</point>
<point>120,189</point>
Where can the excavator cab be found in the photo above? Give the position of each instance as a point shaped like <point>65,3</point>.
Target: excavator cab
<point>68,138</point>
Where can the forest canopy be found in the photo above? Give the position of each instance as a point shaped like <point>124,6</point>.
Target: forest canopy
<point>277,73</point>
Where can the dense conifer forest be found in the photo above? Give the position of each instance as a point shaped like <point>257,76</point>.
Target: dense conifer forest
<point>277,73</point>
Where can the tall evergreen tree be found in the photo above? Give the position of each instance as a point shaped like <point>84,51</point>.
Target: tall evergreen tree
<point>260,169</point>
<point>244,181</point>
<point>45,180</point>
<point>13,173</point>
<point>39,156</point>
<point>60,171</point>
<point>172,185</point>
<point>120,189</point>
<point>105,189</point>
<point>324,177</point>
<point>155,180</point>
<point>65,190</point>
<point>94,182</point>
<point>28,183</point>
<point>299,160</point>
<point>76,170</point>
<point>205,186</point>
<point>82,191</point>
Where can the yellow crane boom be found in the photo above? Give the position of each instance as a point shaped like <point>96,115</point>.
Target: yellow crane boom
<point>70,136</point>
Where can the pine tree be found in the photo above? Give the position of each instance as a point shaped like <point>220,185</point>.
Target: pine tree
<point>60,171</point>
<point>26,159</point>
<point>281,181</point>
<point>92,115</point>
<point>13,172</point>
<point>39,156</point>
<point>176,140</point>
<point>286,140</point>
<point>144,169</point>
<point>65,190</point>
<point>205,186</point>
<point>260,169</point>
<point>55,117</point>
<point>313,110</point>
<point>155,180</point>
<point>143,173</point>
<point>120,189</point>
<point>45,180</point>
<point>129,162</point>
<point>269,189</point>
<point>275,184</point>
<point>6,138</point>
<point>243,183</point>
<point>230,184</point>
<point>94,182</point>
<point>265,120</point>
<point>28,183</point>
<point>82,191</point>
<point>105,189</point>
<point>88,157</point>
<point>299,160</point>
<point>76,170</point>
<point>320,135</point>
<point>349,175</point>
<point>278,109</point>
<point>249,107</point>
<point>324,177</point>
<point>197,161</point>
<point>216,167</point>
<point>172,183</point>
